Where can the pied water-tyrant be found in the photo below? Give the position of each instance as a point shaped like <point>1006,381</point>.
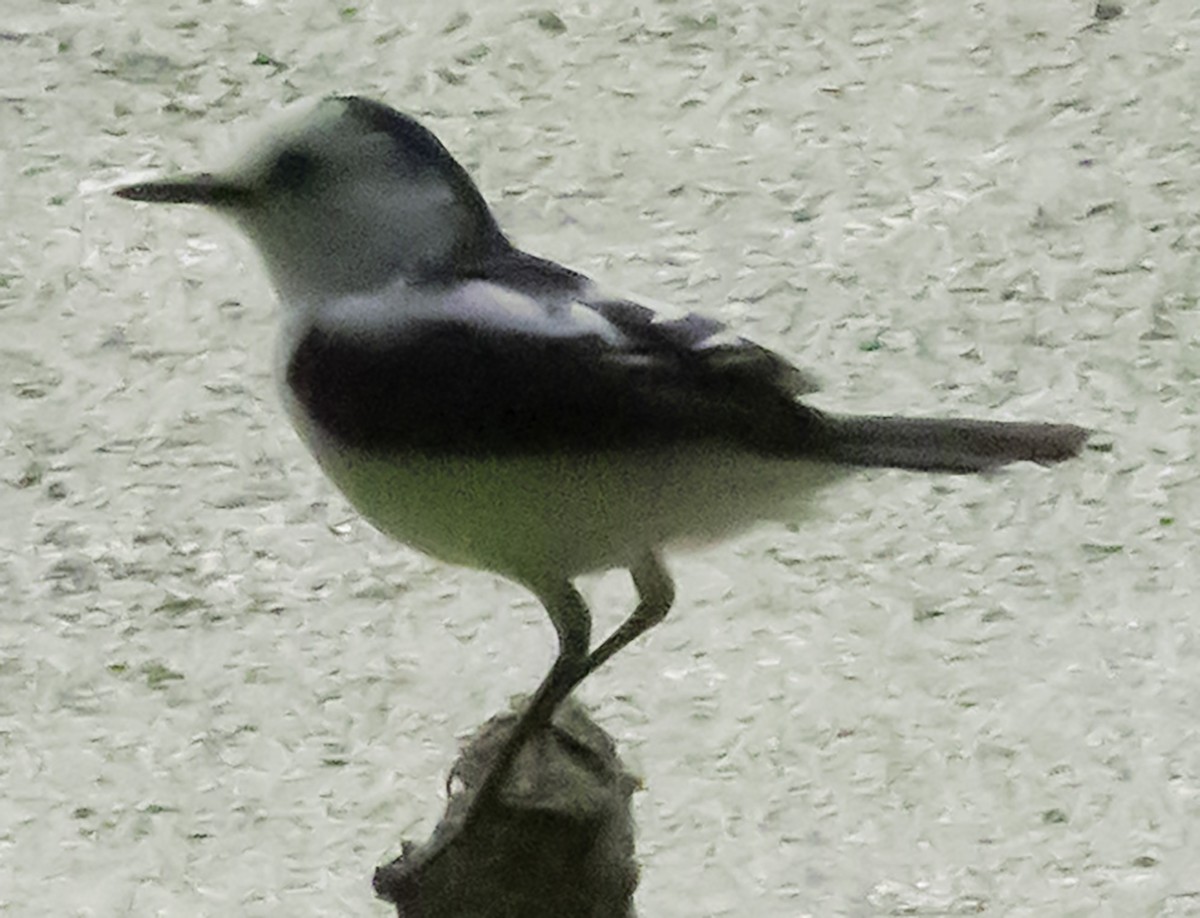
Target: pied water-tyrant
<point>500,411</point>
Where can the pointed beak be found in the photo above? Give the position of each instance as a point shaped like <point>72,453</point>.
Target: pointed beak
<point>203,188</point>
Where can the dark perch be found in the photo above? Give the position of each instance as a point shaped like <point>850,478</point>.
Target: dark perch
<point>556,840</point>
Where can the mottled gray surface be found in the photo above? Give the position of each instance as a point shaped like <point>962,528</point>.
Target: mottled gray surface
<point>222,694</point>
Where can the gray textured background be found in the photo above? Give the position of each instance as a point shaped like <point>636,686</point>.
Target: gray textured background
<point>220,693</point>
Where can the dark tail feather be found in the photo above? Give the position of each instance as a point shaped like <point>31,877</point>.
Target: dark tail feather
<point>950,445</point>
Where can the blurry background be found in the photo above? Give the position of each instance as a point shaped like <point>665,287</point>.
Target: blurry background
<point>221,693</point>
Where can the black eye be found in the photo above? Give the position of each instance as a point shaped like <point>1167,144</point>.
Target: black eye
<point>291,170</point>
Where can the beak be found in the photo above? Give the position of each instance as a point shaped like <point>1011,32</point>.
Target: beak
<point>203,188</point>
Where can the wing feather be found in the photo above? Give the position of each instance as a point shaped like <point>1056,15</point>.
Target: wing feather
<point>539,365</point>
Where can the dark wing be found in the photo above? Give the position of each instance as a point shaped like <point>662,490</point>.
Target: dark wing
<point>591,373</point>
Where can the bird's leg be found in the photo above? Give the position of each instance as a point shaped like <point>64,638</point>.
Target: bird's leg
<point>656,592</point>
<point>573,623</point>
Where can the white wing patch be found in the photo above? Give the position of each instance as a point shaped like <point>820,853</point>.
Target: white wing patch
<point>478,303</point>
<point>628,331</point>
<point>584,318</point>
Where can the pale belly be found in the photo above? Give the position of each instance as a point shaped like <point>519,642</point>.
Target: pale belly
<point>542,518</point>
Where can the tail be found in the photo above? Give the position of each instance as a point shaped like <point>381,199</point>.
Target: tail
<point>950,445</point>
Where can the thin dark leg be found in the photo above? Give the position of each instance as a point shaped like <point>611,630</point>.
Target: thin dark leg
<point>656,592</point>
<point>572,620</point>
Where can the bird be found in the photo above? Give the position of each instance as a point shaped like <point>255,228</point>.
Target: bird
<point>500,411</point>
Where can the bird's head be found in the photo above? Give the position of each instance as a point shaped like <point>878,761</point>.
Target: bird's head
<point>345,196</point>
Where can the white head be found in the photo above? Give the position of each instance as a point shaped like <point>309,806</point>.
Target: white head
<point>346,196</point>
